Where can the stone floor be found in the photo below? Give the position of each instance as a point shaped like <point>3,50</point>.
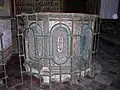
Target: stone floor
<point>109,79</point>
<point>109,58</point>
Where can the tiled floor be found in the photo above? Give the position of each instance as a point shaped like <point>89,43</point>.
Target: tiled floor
<point>108,57</point>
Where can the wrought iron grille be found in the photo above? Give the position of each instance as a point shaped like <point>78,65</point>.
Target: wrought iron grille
<point>57,46</point>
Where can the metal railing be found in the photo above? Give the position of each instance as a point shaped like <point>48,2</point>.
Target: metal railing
<point>58,46</point>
